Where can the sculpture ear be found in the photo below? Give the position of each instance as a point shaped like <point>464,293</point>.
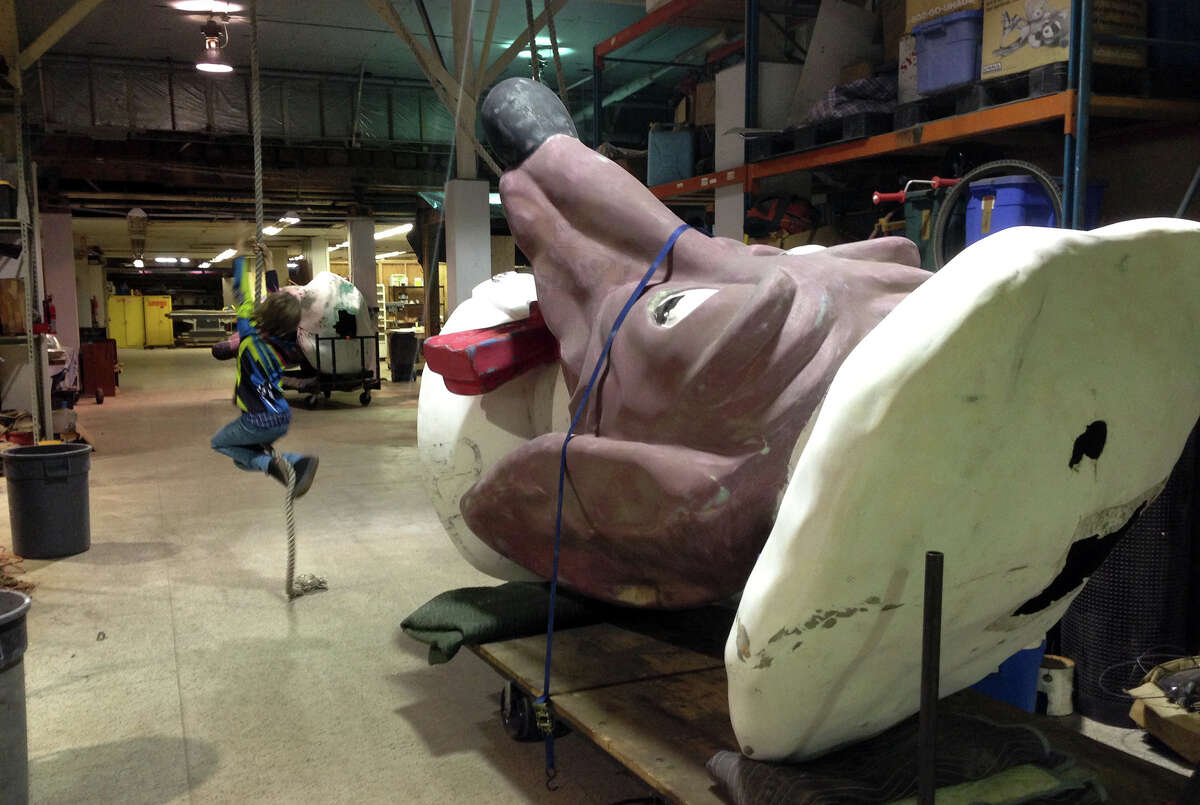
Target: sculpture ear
<point>519,115</point>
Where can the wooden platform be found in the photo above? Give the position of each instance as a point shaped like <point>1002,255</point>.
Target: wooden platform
<point>655,699</point>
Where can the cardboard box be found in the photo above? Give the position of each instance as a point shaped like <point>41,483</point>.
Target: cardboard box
<point>1019,35</point>
<point>891,14</point>
<point>683,112</point>
<point>704,110</point>
<point>919,11</point>
<point>856,71</point>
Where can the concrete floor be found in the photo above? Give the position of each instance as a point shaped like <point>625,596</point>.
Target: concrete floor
<point>165,665</point>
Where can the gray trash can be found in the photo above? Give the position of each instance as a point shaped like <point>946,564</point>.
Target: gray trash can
<point>14,749</point>
<point>402,356</point>
<point>48,499</point>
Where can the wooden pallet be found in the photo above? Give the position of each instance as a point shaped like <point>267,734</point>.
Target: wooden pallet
<point>656,700</point>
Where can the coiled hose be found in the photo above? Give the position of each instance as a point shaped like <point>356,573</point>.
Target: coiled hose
<point>1001,167</point>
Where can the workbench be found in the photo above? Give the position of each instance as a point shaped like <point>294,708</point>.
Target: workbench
<point>207,326</point>
<point>654,697</point>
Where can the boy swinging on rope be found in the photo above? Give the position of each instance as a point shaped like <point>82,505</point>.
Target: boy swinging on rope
<point>266,331</point>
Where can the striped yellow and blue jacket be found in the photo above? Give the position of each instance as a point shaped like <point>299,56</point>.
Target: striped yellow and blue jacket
<point>259,367</point>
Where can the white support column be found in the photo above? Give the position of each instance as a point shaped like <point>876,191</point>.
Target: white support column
<point>361,234</point>
<point>468,239</point>
<point>317,252</point>
<point>58,271</point>
<point>730,152</point>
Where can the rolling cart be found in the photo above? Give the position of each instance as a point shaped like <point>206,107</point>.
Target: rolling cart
<point>319,381</point>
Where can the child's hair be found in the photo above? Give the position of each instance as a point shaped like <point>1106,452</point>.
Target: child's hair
<point>278,314</point>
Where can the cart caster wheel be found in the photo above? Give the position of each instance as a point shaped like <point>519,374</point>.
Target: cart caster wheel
<point>312,401</point>
<point>365,398</point>
<point>99,396</point>
<point>516,714</point>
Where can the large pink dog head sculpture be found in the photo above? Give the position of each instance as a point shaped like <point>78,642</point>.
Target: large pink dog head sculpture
<point>683,453</point>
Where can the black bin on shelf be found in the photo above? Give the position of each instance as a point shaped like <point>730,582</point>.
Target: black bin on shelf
<point>48,505</point>
<point>402,356</point>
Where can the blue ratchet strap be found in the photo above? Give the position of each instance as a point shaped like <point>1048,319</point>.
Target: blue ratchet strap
<point>542,703</point>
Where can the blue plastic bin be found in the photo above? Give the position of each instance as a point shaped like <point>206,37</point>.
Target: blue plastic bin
<point>948,51</point>
<point>1016,680</point>
<point>672,156</point>
<point>1018,201</point>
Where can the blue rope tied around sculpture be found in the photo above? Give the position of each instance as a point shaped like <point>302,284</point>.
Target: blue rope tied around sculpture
<point>542,703</point>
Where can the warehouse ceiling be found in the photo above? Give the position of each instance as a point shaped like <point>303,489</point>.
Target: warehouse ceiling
<point>344,36</point>
<point>196,183</point>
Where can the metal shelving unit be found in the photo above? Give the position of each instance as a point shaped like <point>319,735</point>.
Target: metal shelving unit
<point>1076,107</point>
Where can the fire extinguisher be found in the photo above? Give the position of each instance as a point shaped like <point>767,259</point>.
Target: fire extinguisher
<point>48,313</point>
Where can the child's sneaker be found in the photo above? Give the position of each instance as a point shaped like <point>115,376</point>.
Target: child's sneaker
<point>306,470</point>
<point>275,469</point>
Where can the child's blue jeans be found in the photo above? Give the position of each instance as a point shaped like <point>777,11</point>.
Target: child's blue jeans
<point>246,444</point>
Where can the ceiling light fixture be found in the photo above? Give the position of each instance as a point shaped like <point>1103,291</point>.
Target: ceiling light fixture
<point>209,6</point>
<point>403,229</point>
<point>213,61</point>
<point>386,255</point>
<point>139,263</point>
<point>289,219</point>
<point>272,230</point>
<point>341,245</point>
<point>169,260</point>
<point>225,255</point>
<point>185,260</point>
<point>205,264</point>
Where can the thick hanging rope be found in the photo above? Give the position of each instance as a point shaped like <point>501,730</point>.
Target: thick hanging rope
<point>533,52</point>
<point>305,583</point>
<point>542,705</point>
<point>256,132</point>
<point>558,68</point>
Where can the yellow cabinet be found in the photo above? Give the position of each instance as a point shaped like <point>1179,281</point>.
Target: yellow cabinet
<point>127,321</point>
<point>160,330</point>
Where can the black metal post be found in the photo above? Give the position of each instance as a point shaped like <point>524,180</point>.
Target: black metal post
<point>597,101</point>
<point>751,64</point>
<point>931,656</point>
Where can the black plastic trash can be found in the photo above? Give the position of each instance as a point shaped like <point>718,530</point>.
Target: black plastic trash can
<point>402,356</point>
<point>14,748</point>
<point>48,499</point>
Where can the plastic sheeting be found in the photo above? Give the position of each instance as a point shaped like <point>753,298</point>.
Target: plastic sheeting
<point>141,98</point>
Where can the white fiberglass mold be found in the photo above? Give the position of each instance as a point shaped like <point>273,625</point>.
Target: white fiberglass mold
<point>461,437</point>
<point>1011,412</point>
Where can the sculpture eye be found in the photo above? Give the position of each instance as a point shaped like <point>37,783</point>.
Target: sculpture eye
<point>675,307</point>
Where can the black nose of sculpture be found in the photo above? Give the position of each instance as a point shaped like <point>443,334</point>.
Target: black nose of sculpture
<point>519,115</point>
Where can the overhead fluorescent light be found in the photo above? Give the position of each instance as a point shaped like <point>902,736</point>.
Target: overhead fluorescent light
<point>205,264</point>
<point>543,43</point>
<point>139,263</point>
<point>166,260</point>
<point>207,6</point>
<point>403,229</point>
<point>341,245</point>
<point>386,255</point>
<point>272,230</point>
<point>225,255</point>
<point>185,260</point>
<point>289,219</point>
